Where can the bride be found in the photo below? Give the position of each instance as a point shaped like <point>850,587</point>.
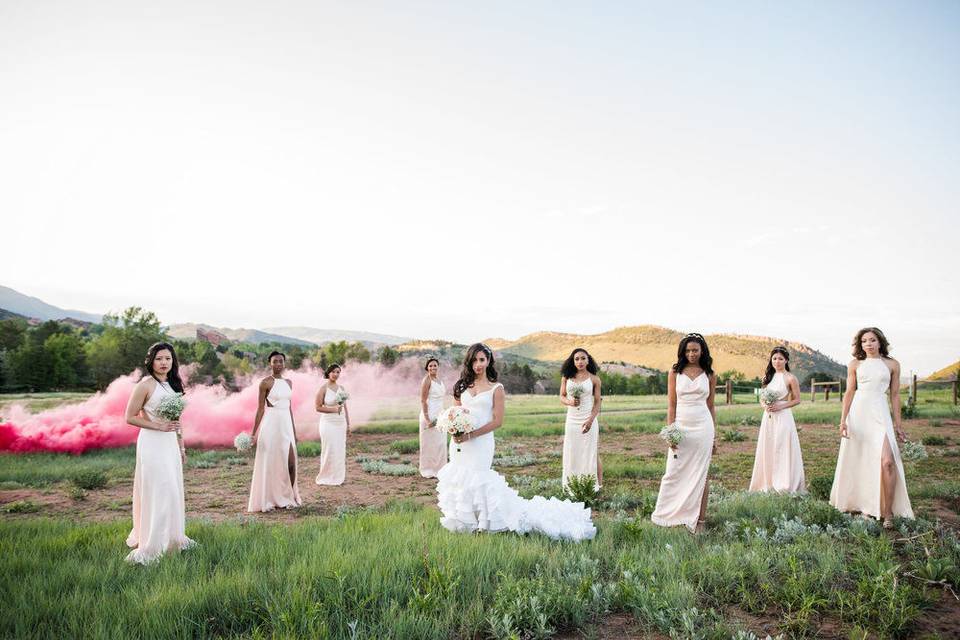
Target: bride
<point>474,497</point>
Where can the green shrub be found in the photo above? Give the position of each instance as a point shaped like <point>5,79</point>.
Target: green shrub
<point>90,479</point>
<point>732,435</point>
<point>820,487</point>
<point>583,489</point>
<point>379,467</point>
<point>21,506</point>
<point>411,445</point>
<point>308,448</point>
<point>522,460</point>
<point>77,493</point>
<point>934,441</point>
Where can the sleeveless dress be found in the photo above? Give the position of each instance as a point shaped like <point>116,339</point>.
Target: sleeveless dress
<point>580,449</point>
<point>433,443</point>
<point>474,497</point>
<point>158,504</point>
<point>681,489</point>
<point>779,464</point>
<point>856,483</point>
<point>272,485</point>
<point>333,443</point>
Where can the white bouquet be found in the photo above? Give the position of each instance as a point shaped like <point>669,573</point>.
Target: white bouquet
<point>171,407</point>
<point>455,421</point>
<point>911,451</point>
<point>243,441</point>
<point>768,396</point>
<point>342,396</point>
<point>575,389</point>
<point>672,435</point>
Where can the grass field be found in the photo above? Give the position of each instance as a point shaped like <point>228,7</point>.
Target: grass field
<point>369,559</point>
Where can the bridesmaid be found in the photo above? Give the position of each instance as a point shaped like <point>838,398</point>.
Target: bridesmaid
<point>334,426</point>
<point>779,465</point>
<point>274,481</point>
<point>158,504</point>
<point>581,432</point>
<point>684,488</point>
<point>433,443</point>
<point>869,477</point>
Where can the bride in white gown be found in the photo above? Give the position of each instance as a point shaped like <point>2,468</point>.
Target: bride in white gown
<point>474,497</point>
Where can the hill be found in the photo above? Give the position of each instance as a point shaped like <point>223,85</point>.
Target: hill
<point>31,307</point>
<point>656,347</point>
<point>949,372</point>
<point>188,331</point>
<point>322,336</point>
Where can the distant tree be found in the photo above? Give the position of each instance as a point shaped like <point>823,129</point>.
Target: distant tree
<point>388,356</point>
<point>122,344</point>
<point>732,374</point>
<point>12,333</point>
<point>67,359</point>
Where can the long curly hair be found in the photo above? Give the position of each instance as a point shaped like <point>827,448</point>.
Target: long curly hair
<point>173,376</point>
<point>858,351</point>
<point>467,376</point>
<point>568,369</point>
<point>768,376</point>
<point>706,361</point>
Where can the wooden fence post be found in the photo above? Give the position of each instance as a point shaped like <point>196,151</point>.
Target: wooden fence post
<point>729,391</point>
<point>913,389</point>
<point>956,383</point>
<point>813,391</point>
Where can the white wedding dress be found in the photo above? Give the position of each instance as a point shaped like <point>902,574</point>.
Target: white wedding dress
<point>474,497</point>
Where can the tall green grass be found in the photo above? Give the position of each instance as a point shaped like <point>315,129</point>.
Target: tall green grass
<point>396,573</point>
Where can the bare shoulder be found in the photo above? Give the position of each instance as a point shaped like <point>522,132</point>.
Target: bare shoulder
<point>596,379</point>
<point>853,365</point>
<point>893,364</point>
<point>266,383</point>
<point>790,377</point>
<point>147,383</point>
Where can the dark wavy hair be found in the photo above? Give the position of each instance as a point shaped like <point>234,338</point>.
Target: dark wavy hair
<point>326,372</point>
<point>858,351</point>
<point>173,377</point>
<point>569,370</point>
<point>277,353</point>
<point>706,361</point>
<point>467,376</point>
<point>429,360</point>
<point>768,376</point>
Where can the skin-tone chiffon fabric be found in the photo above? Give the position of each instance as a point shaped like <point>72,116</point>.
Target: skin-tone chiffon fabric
<point>779,464</point>
<point>272,485</point>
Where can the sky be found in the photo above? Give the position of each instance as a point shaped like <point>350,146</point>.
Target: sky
<point>475,170</point>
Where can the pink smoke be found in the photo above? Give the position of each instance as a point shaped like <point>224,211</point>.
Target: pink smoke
<point>213,416</point>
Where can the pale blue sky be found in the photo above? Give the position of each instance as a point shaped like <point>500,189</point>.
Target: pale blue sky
<point>467,171</point>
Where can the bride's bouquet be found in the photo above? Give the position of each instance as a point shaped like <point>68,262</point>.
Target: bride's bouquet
<point>171,408</point>
<point>455,421</point>
<point>575,389</point>
<point>672,435</point>
<point>768,396</point>
<point>342,396</point>
<point>243,441</point>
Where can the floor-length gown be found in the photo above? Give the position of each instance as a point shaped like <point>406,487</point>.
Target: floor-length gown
<point>158,504</point>
<point>681,489</point>
<point>856,483</point>
<point>433,442</point>
<point>333,443</point>
<point>778,465</point>
<point>580,449</point>
<point>474,497</point>
<point>274,483</point>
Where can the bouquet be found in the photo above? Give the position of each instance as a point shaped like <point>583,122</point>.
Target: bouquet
<point>456,421</point>
<point>768,396</point>
<point>342,396</point>
<point>243,441</point>
<point>171,408</point>
<point>672,435</point>
<point>575,389</point>
<point>911,451</point>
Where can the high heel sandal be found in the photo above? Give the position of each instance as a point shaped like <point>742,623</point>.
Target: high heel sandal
<point>887,523</point>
